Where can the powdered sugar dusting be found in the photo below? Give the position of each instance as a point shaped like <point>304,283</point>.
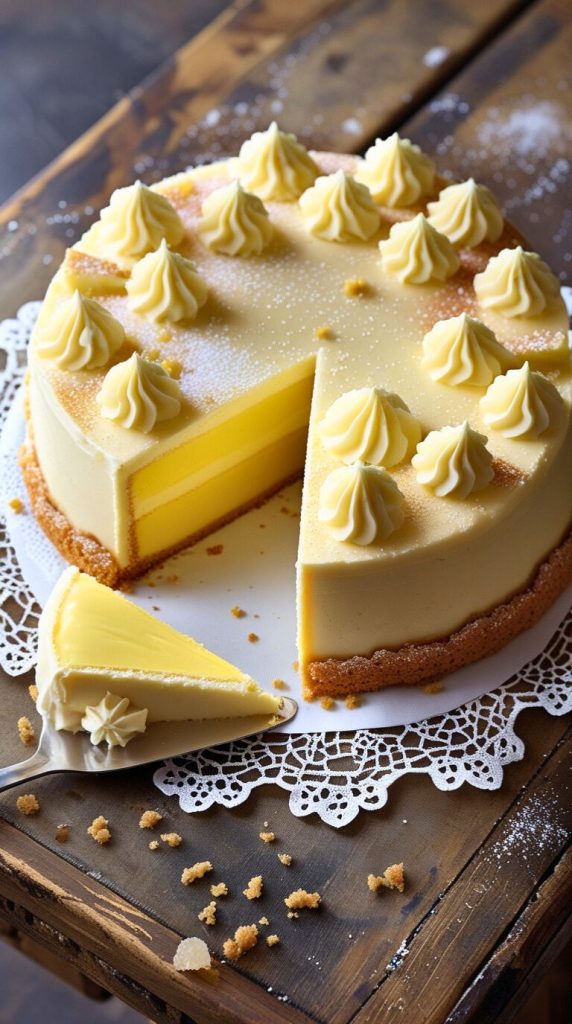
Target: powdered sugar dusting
<point>435,56</point>
<point>536,828</point>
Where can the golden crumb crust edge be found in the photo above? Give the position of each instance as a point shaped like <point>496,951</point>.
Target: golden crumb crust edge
<point>479,638</point>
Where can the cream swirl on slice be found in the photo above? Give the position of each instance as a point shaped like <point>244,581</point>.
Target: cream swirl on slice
<point>521,403</point>
<point>136,221</point>
<point>81,335</point>
<point>166,286</point>
<point>454,461</point>
<point>517,283</point>
<point>361,504</point>
<point>339,209</point>
<point>396,172</point>
<point>467,213</point>
<point>137,394</point>
<point>274,165</point>
<point>234,222</point>
<point>370,425</point>
<point>417,253</point>
<point>462,350</point>
<point>114,721</point>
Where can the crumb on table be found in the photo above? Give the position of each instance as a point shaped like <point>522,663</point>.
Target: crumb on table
<point>292,914</point>
<point>263,921</point>
<point>62,833</point>
<point>279,684</point>
<point>327,703</point>
<point>267,837</point>
<point>237,612</point>
<point>172,838</point>
<point>192,955</point>
<point>272,940</point>
<point>28,804</point>
<point>26,731</point>
<point>198,870</point>
<point>219,889</point>
<point>33,691</point>
<point>285,858</point>
<point>245,938</point>
<point>154,844</point>
<point>17,505</point>
<point>300,899</point>
<point>355,287</point>
<point>149,819</point>
<point>253,890</point>
<point>208,913</point>
<point>435,687</point>
<point>392,878</point>
<point>253,638</point>
<point>324,333</point>
<point>352,701</point>
<point>99,830</point>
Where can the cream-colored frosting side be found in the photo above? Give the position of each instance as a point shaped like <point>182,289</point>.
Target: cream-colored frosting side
<point>136,221</point>
<point>521,403</point>
<point>234,222</point>
<point>467,214</point>
<point>360,504</point>
<point>114,721</point>
<point>274,165</point>
<point>396,172</point>
<point>454,461</point>
<point>166,286</point>
<point>137,394</point>
<point>338,208</point>
<point>416,253</point>
<point>80,335</point>
<point>371,425</point>
<point>517,284</point>
<point>463,351</point>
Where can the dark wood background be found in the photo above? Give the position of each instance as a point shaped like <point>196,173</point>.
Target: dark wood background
<point>498,106</point>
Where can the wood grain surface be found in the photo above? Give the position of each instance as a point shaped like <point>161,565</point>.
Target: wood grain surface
<point>464,939</point>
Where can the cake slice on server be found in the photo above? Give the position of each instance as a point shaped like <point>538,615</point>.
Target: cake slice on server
<point>110,668</point>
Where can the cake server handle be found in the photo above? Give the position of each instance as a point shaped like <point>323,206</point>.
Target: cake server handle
<point>38,764</point>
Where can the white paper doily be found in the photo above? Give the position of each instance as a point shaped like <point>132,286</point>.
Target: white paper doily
<point>333,774</point>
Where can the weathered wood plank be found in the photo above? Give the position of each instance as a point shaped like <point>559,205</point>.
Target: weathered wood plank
<point>471,918</point>
<point>335,72</point>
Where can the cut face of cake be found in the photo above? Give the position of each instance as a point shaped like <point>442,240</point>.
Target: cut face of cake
<point>267,316</point>
<point>109,667</point>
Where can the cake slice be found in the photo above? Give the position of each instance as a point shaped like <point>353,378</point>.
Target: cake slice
<point>102,659</point>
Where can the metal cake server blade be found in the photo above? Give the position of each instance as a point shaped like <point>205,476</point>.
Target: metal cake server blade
<point>74,752</point>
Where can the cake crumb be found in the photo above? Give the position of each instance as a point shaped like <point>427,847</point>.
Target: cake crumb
<point>208,913</point>
<point>352,701</point>
<point>62,833</point>
<point>33,691</point>
<point>238,612</point>
<point>220,889</point>
<point>293,914</point>
<point>215,549</point>
<point>152,354</point>
<point>164,336</point>
<point>192,955</point>
<point>435,687</point>
<point>172,839</point>
<point>99,831</point>
<point>327,703</point>
<point>272,940</point>
<point>300,899</point>
<point>253,638</point>
<point>245,938</point>
<point>392,878</point>
<point>264,921</point>
<point>355,287</point>
<point>26,731</point>
<point>17,505</point>
<point>324,333</point>
<point>267,837</point>
<point>285,858</point>
<point>198,870</point>
<point>279,684</point>
<point>253,890</point>
<point>173,367</point>
<point>28,804</point>
<point>154,844</point>
<point>149,819</point>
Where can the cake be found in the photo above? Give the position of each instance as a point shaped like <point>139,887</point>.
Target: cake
<point>361,321</point>
<point>110,668</point>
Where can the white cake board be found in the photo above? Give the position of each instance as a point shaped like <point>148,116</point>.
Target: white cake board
<point>256,571</point>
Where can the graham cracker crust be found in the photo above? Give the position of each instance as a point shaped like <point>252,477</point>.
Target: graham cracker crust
<point>422,663</point>
<point>88,553</point>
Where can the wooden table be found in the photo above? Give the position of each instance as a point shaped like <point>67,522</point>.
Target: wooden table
<point>486,908</point>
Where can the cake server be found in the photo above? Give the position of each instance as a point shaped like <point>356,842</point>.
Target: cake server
<point>74,752</point>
